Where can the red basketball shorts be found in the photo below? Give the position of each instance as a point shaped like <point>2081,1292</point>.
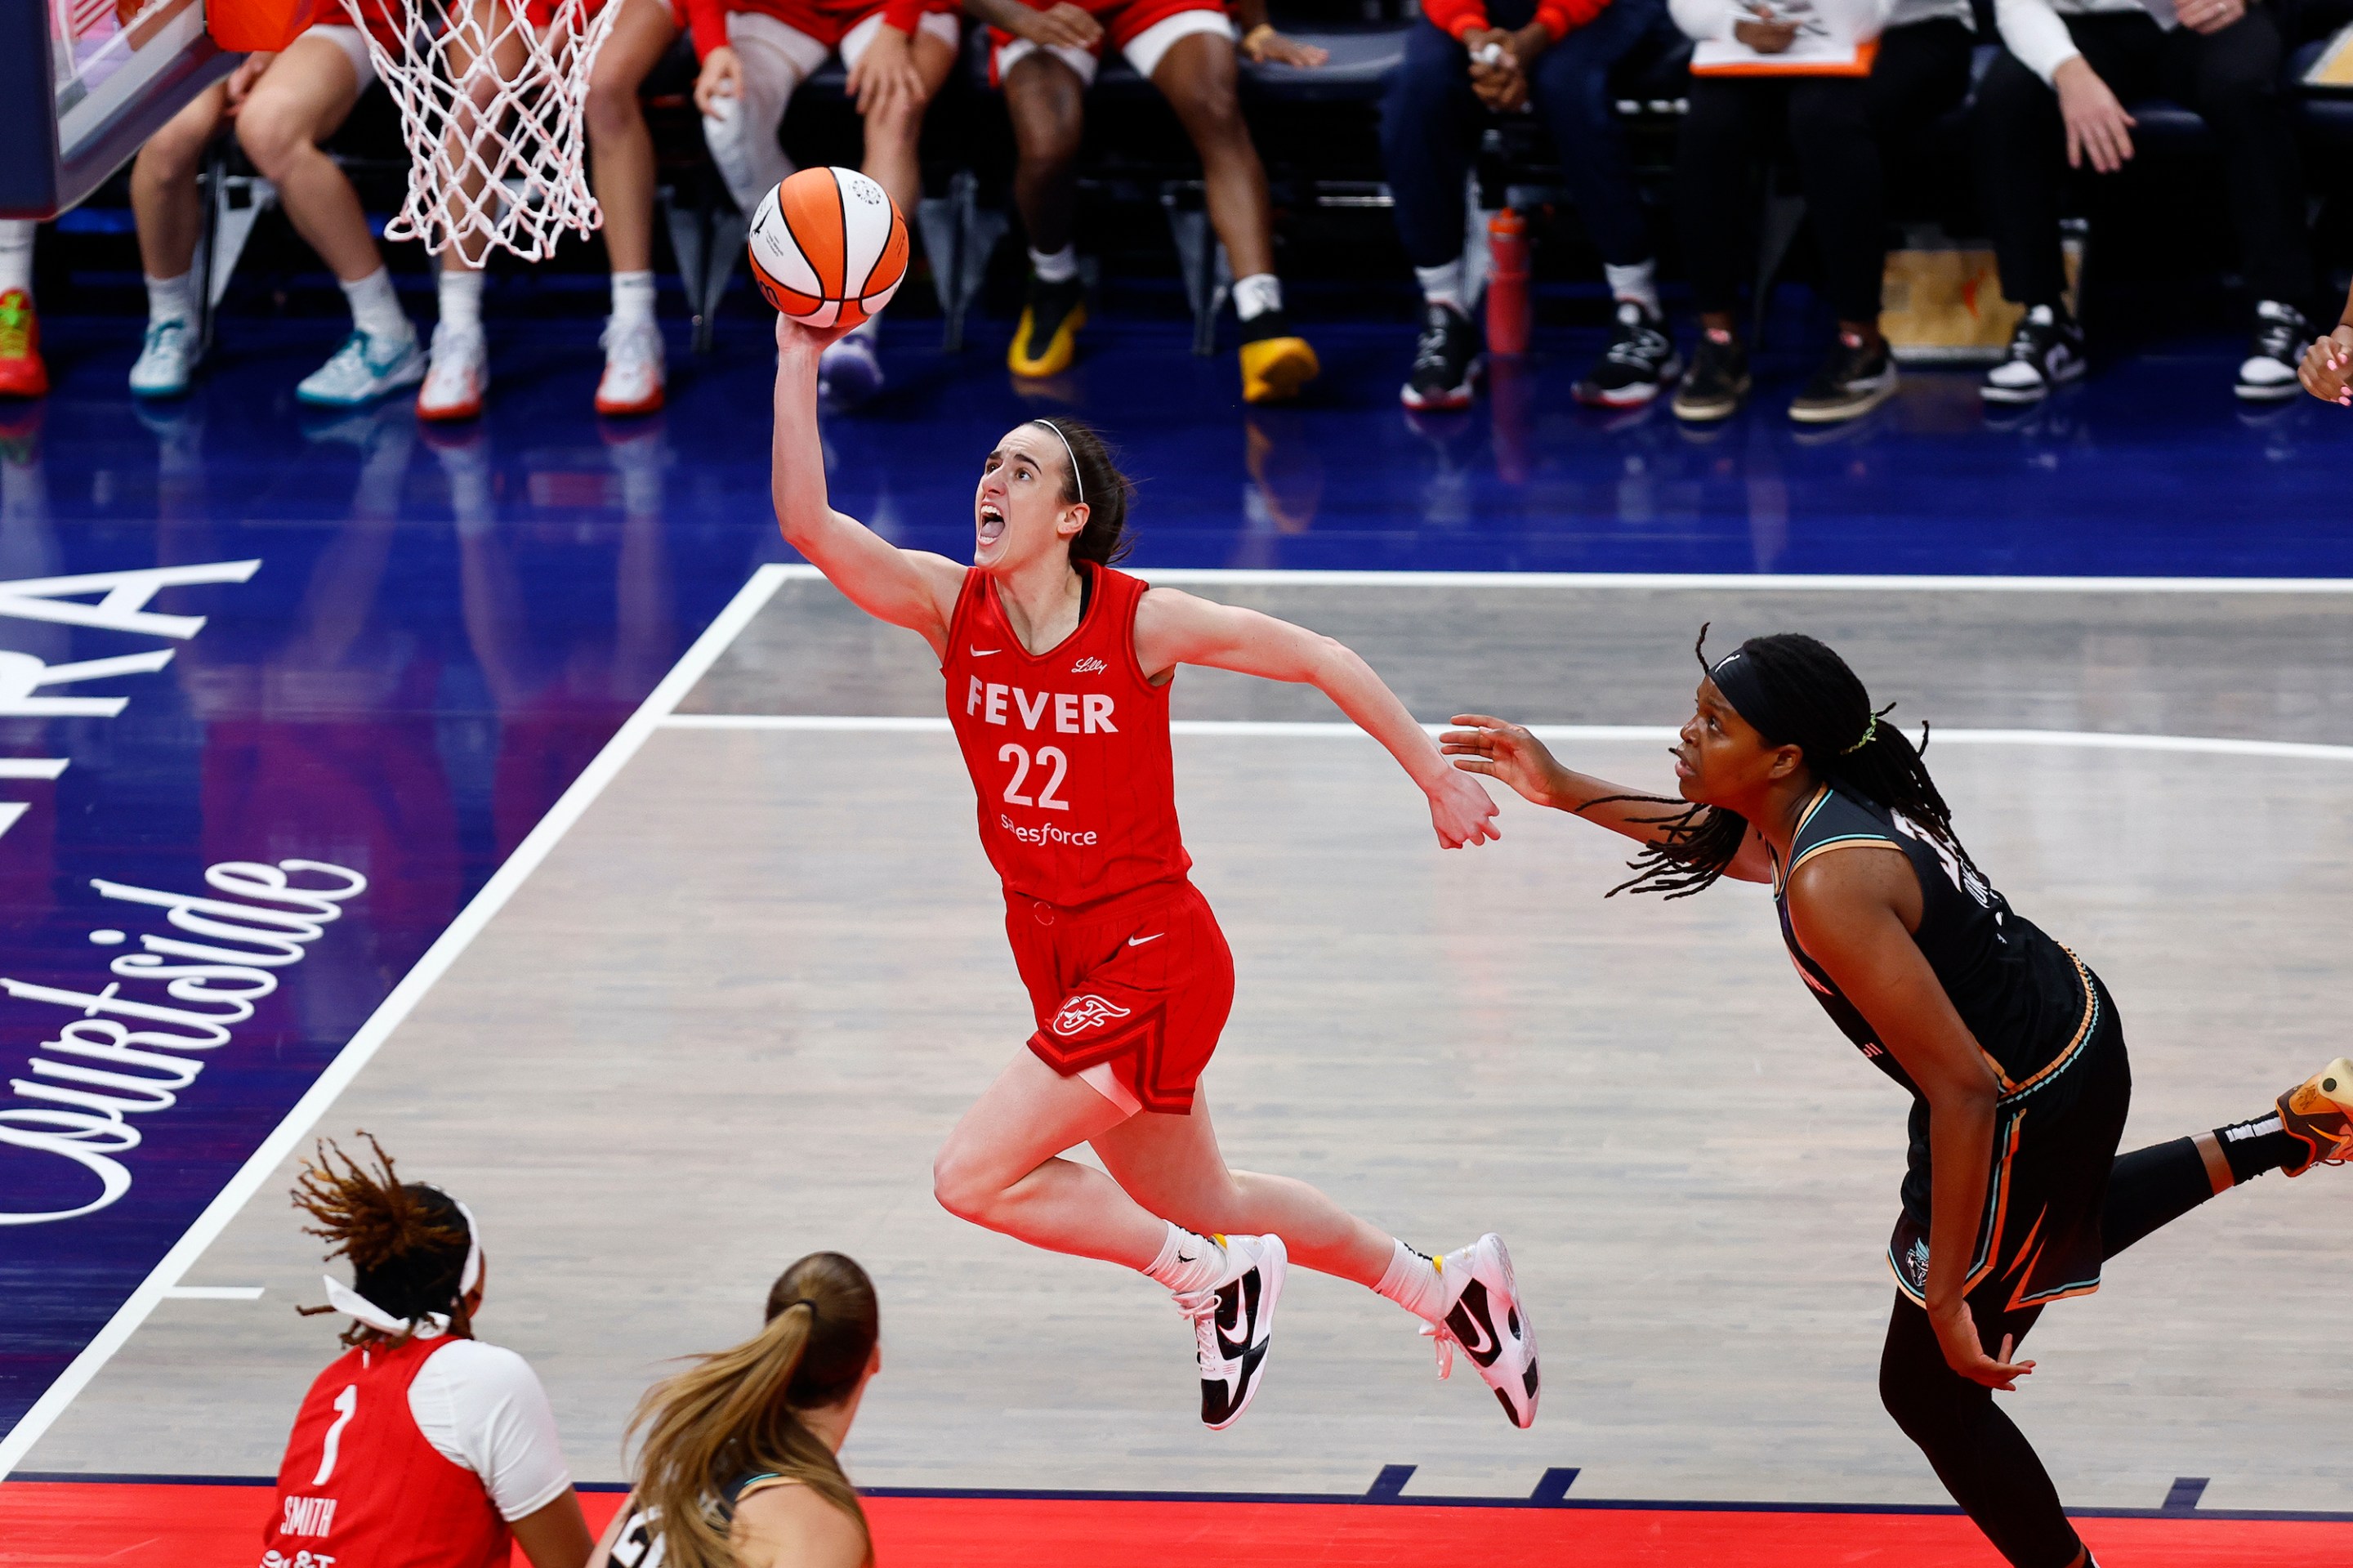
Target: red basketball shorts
<point>1139,985</point>
<point>1142,30</point>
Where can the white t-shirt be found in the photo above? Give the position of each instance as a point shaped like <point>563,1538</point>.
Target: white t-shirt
<point>481,1407</point>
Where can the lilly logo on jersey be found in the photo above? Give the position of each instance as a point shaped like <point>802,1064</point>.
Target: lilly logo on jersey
<point>1084,1013</point>
<point>1074,713</point>
<point>1089,666</point>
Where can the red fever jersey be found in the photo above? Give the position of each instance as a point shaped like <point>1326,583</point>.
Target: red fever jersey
<point>362,1487</point>
<point>1068,750</point>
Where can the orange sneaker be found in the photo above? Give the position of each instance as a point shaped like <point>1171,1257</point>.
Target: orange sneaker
<point>21,374</point>
<point>2319,1113</point>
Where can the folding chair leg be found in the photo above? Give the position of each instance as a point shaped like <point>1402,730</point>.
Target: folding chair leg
<point>1783,215</point>
<point>233,204</point>
<point>1209,275</point>
<point>685,227</point>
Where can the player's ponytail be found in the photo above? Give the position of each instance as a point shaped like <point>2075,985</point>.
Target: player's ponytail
<point>408,1242</point>
<point>1795,691</point>
<point>735,1414</point>
<point>1094,478</point>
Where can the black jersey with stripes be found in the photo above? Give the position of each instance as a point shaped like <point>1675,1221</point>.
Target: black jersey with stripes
<point>2028,1001</point>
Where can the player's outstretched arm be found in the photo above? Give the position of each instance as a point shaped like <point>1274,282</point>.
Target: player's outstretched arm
<point>1502,750</point>
<point>1173,629</point>
<point>913,588</point>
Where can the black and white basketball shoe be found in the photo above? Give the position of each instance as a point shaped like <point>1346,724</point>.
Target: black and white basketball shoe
<point>1485,1321</point>
<point>1232,1324</point>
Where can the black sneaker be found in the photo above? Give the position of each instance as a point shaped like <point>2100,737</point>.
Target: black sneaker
<point>1446,361</point>
<point>2046,352</point>
<point>1641,359</point>
<point>1718,383</point>
<point>2282,335</point>
<point>1855,379</point>
<point>1046,338</point>
<point>1232,1324</point>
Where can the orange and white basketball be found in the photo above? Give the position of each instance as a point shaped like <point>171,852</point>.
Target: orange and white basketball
<point>829,247</point>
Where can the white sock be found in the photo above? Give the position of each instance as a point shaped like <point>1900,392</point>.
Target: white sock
<point>1186,1261</point>
<point>1059,266</point>
<point>375,309</point>
<point>1638,283</point>
<point>1413,1282</point>
<point>461,293</point>
<point>171,299</point>
<point>16,254</point>
<point>633,298</point>
<point>1257,294</point>
<point>1443,285</point>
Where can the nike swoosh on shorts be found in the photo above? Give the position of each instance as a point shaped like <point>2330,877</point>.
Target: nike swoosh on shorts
<point>1139,941</point>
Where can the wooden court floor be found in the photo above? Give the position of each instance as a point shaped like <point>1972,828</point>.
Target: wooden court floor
<point>729,1017</point>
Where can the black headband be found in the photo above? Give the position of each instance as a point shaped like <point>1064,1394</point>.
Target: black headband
<point>1743,685</point>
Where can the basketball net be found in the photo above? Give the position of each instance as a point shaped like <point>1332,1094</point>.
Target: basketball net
<point>492,106</point>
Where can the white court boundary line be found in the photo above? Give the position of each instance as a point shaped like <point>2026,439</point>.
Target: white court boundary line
<point>1713,581</point>
<point>161,1281</point>
<point>2095,740</point>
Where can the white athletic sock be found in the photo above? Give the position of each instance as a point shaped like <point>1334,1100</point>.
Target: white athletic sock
<point>461,293</point>
<point>1413,1283</point>
<point>1059,266</point>
<point>1443,285</point>
<point>1186,1261</point>
<point>171,299</point>
<point>633,298</point>
<point>1257,294</point>
<point>1638,283</point>
<point>16,254</point>
<point>375,309</point>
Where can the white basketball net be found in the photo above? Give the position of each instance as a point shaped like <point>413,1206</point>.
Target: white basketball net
<point>491,109</point>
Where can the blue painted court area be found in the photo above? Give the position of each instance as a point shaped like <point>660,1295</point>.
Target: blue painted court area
<point>344,665</point>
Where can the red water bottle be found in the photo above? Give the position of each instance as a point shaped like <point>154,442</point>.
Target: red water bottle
<point>1509,308</point>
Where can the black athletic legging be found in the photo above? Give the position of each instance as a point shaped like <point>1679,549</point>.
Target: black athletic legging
<point>1983,1459</point>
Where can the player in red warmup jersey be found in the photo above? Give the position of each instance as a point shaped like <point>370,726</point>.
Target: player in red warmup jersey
<point>420,1446</point>
<point>1057,670</point>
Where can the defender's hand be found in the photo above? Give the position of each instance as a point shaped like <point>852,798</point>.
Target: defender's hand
<point>1502,750</point>
<point>1957,1335</point>
<point>1462,813</point>
<point>2327,363</point>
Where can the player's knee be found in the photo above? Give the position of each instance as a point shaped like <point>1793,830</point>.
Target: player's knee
<point>271,137</point>
<point>612,107</point>
<point>963,1186</point>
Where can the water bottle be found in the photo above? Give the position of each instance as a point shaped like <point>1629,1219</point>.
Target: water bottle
<point>1510,309</point>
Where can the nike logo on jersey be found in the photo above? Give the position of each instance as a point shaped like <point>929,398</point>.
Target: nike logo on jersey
<point>981,652</point>
<point>1139,941</point>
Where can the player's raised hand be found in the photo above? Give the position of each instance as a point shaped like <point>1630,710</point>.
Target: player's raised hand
<point>1502,750</point>
<point>2327,368</point>
<point>1462,813</point>
<point>795,336</point>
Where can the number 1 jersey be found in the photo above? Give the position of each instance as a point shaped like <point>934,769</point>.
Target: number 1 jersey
<point>1068,750</point>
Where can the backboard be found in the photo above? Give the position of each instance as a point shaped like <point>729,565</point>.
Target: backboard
<point>83,83</point>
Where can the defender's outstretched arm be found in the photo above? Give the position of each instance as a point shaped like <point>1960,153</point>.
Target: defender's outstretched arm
<point>1173,629</point>
<point>913,588</point>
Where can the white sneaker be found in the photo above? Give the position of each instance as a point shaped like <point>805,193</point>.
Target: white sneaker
<point>461,374</point>
<point>364,369</point>
<point>166,359</point>
<point>849,371</point>
<point>1232,1323</point>
<point>1485,1321</point>
<point>632,382</point>
<point>2269,372</point>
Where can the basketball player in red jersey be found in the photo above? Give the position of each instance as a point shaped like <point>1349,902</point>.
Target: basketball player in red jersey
<point>419,1445</point>
<point>1057,670</point>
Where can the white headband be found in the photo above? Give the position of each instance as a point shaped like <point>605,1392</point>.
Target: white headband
<point>1076,478</point>
<point>352,1304</point>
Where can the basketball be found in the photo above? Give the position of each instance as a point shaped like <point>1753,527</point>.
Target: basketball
<point>829,247</point>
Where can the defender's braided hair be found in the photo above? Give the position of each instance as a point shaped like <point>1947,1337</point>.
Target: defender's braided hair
<point>407,1242</point>
<point>1822,708</point>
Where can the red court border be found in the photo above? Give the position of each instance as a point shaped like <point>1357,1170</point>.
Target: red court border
<point>158,1522</point>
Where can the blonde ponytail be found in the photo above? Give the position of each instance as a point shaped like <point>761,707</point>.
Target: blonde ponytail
<point>734,1413</point>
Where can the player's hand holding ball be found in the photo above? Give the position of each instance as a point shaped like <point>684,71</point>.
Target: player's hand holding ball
<point>829,249</point>
<point>2326,361</point>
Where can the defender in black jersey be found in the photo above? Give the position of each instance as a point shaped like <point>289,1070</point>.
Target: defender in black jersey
<point>2009,1046</point>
